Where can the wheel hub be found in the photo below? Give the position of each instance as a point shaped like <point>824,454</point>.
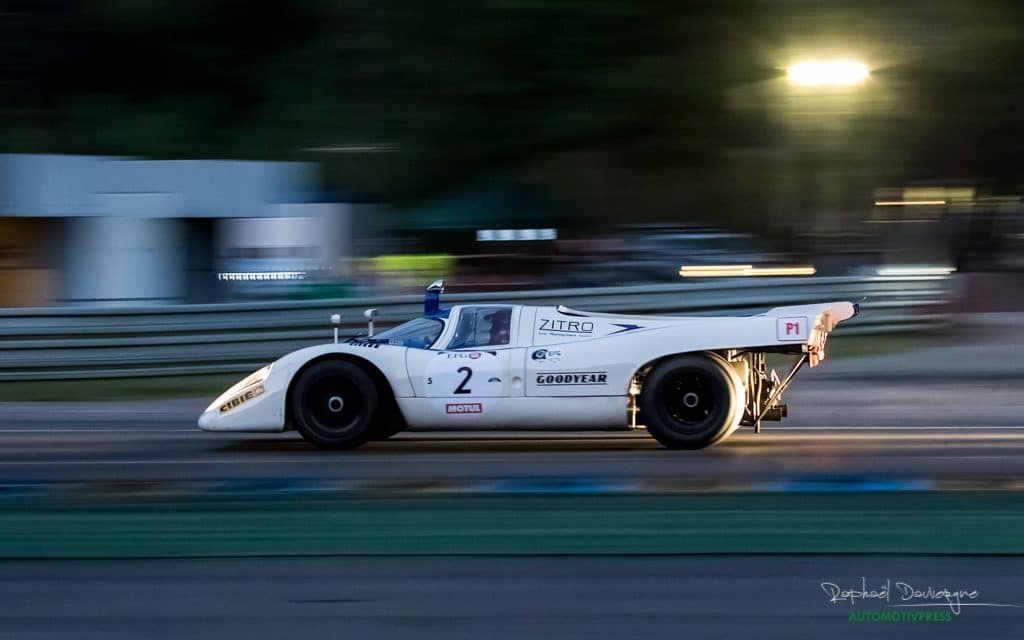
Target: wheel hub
<point>689,399</point>
<point>333,404</point>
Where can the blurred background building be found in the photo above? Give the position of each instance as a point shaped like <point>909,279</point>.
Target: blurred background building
<point>124,231</point>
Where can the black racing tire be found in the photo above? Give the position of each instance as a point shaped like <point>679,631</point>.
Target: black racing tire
<point>690,402</point>
<point>333,404</point>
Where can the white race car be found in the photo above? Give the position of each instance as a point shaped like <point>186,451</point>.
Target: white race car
<point>692,381</point>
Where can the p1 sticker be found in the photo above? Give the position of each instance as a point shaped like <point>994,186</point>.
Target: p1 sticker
<point>791,328</point>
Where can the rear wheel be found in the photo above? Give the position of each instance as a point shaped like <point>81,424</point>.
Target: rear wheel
<point>691,402</point>
<point>333,404</point>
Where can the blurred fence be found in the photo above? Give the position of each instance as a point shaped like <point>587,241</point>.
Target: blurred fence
<point>73,343</point>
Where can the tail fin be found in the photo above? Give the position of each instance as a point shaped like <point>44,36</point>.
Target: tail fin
<point>809,325</point>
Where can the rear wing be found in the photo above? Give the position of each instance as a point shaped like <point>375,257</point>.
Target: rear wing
<point>809,325</point>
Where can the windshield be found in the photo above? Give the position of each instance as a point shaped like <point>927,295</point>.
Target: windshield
<point>419,333</point>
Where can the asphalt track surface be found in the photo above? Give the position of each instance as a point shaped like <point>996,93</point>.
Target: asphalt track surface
<point>936,430</point>
<point>501,597</point>
<point>946,430</point>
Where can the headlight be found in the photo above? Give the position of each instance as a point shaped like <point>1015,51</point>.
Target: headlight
<point>252,378</point>
<point>245,389</point>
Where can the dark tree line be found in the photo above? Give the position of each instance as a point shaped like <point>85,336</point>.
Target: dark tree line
<point>656,102</point>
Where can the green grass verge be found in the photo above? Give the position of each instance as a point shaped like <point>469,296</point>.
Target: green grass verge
<point>926,522</point>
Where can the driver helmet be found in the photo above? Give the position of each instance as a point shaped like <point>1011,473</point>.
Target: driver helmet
<point>500,325</point>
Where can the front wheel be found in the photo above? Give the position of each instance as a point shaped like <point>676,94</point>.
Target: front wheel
<point>333,404</point>
<point>691,402</point>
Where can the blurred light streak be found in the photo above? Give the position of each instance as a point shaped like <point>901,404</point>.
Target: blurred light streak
<point>915,271</point>
<point>261,275</point>
<point>504,235</point>
<point>718,267</point>
<point>835,73</point>
<point>355,148</point>
<point>743,270</point>
<point>908,203</point>
<point>902,221</point>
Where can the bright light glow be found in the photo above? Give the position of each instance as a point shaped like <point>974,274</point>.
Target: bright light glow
<point>261,275</point>
<point>908,203</point>
<point>834,73</point>
<point>743,271</point>
<point>915,271</point>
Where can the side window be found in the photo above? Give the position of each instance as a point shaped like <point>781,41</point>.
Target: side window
<point>482,327</point>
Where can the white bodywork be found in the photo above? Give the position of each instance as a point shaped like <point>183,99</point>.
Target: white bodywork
<point>560,369</point>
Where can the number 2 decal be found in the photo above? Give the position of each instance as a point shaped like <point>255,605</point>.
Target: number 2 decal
<point>462,385</point>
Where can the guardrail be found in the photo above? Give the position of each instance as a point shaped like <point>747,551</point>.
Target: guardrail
<point>76,343</point>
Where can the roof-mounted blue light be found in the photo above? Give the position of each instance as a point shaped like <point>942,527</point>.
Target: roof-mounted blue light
<point>432,299</point>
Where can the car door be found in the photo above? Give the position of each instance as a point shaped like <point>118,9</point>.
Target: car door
<point>568,357</point>
<point>479,364</point>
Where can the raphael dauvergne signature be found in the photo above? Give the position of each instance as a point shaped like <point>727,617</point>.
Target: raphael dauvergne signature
<point>903,593</point>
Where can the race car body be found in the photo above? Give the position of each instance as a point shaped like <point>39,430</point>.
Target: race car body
<point>691,380</point>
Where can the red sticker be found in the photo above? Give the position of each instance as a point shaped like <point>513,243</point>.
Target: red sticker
<point>791,328</point>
